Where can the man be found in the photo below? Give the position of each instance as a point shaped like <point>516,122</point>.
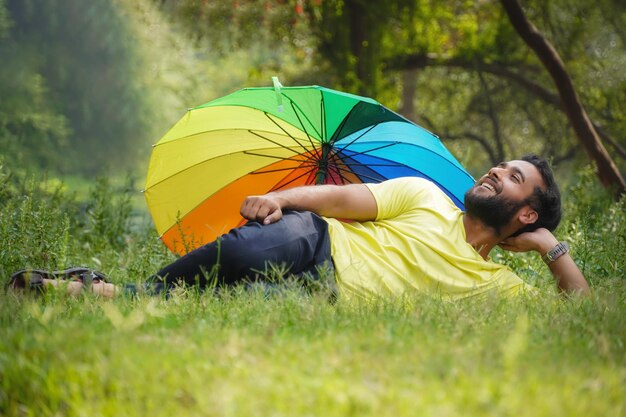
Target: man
<point>401,236</point>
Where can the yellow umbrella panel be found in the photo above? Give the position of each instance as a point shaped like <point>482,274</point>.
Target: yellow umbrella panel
<point>202,169</point>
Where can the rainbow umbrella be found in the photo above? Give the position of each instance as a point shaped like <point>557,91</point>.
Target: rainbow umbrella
<point>257,140</point>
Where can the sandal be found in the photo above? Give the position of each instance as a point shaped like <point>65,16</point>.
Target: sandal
<point>33,279</point>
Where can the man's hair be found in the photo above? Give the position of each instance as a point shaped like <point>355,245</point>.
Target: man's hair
<point>546,202</point>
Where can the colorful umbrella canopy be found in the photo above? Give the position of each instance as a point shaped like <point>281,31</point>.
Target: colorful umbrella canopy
<point>257,140</point>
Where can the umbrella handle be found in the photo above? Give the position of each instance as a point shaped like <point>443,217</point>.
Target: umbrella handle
<point>279,97</point>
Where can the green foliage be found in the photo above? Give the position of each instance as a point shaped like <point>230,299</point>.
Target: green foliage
<point>32,131</point>
<point>349,35</point>
<point>75,97</point>
<point>5,23</point>
<point>234,24</point>
<point>34,229</point>
<point>109,213</point>
<point>261,39</point>
<point>598,226</point>
<point>45,227</point>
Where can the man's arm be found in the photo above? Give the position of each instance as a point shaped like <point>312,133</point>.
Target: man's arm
<point>352,201</point>
<point>565,271</point>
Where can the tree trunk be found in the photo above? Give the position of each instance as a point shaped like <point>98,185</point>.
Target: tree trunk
<point>365,33</point>
<point>607,171</point>
<point>409,84</point>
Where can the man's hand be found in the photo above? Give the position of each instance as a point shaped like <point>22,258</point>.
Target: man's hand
<point>264,209</point>
<point>565,271</point>
<point>540,240</point>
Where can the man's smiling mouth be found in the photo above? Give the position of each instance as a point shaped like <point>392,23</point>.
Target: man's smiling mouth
<point>489,184</point>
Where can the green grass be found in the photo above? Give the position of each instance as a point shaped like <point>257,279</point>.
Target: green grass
<point>247,352</point>
<point>293,354</point>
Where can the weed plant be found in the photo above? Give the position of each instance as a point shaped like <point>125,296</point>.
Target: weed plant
<point>247,351</point>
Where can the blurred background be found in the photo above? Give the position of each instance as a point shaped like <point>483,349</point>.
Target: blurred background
<point>86,87</point>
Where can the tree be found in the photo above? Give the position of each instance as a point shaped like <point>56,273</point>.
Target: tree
<point>607,171</point>
<point>592,47</point>
<point>351,35</point>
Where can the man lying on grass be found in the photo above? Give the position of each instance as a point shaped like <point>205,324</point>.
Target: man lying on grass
<point>402,236</point>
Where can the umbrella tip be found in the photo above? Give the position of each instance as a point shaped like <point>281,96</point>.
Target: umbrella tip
<point>279,98</point>
<point>276,82</point>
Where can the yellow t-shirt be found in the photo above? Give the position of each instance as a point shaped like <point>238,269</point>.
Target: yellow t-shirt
<point>416,244</point>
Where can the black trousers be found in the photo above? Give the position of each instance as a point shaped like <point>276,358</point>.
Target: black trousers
<point>299,241</point>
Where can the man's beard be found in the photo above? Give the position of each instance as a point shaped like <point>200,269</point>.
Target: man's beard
<point>495,211</point>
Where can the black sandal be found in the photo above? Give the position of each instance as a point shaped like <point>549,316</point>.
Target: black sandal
<point>32,279</point>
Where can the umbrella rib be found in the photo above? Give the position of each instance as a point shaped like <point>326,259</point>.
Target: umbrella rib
<point>294,105</point>
<point>358,137</point>
<point>342,158</point>
<point>338,172</point>
<point>222,156</point>
<point>301,124</point>
<point>343,122</point>
<point>277,143</point>
<point>389,164</point>
<point>191,136</point>
<point>276,157</point>
<point>375,149</point>
<point>370,165</point>
<point>286,133</point>
<point>294,179</point>
<point>323,115</point>
<point>430,151</point>
<point>359,175</point>
<point>256,172</point>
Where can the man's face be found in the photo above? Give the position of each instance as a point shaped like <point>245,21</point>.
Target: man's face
<point>497,196</point>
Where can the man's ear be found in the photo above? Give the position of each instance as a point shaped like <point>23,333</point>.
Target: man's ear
<point>527,215</point>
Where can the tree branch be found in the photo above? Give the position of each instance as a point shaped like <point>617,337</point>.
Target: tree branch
<point>484,143</point>
<point>417,61</point>
<point>481,141</point>
<point>569,154</point>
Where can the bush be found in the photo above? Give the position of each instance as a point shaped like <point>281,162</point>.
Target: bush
<point>34,225</point>
<point>595,224</point>
<point>46,228</point>
<point>108,214</point>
